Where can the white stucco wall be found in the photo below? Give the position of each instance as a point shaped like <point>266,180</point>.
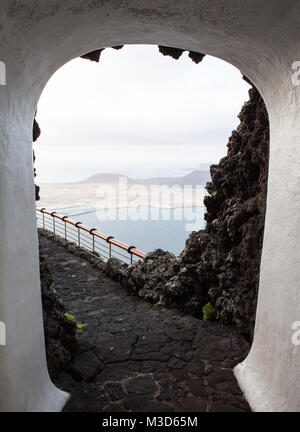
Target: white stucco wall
<point>262,39</point>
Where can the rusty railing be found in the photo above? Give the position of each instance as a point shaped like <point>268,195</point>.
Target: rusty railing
<point>89,239</point>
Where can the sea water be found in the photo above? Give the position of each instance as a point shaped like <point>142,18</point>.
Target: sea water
<point>146,228</point>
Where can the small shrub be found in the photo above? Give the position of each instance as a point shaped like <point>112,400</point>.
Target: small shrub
<point>70,317</point>
<point>209,312</point>
<point>79,326</point>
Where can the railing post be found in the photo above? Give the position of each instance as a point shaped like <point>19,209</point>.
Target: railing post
<point>78,223</point>
<point>131,255</point>
<point>52,214</point>
<point>64,220</point>
<point>109,247</point>
<point>92,233</point>
<point>42,211</point>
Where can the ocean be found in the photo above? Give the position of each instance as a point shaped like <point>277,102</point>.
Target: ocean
<point>146,228</point>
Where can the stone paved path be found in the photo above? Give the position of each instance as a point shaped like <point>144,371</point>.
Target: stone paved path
<point>137,357</point>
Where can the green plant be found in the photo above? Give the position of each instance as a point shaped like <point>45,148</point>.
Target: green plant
<point>79,326</point>
<point>160,303</point>
<point>70,317</point>
<point>209,312</point>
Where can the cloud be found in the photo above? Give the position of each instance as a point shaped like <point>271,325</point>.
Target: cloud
<point>136,109</point>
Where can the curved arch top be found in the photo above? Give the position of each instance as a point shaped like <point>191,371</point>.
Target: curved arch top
<point>262,39</point>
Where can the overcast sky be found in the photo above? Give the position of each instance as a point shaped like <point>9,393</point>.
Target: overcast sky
<point>136,113</point>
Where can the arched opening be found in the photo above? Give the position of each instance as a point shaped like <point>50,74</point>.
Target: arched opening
<point>36,44</point>
<point>189,284</point>
<point>159,122</point>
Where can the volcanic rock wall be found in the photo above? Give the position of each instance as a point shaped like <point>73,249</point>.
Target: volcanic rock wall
<point>221,263</point>
<point>60,333</point>
<point>36,132</point>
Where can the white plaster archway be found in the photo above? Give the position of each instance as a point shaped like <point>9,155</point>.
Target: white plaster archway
<point>262,39</point>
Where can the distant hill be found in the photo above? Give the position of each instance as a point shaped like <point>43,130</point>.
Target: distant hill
<point>107,178</point>
<point>84,194</point>
<point>197,177</point>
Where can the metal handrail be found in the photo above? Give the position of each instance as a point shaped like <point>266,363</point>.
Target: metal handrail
<point>94,234</point>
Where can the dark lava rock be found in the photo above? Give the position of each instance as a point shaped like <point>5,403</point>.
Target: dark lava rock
<point>86,397</point>
<point>221,263</point>
<point>93,55</point>
<point>86,366</point>
<point>140,404</point>
<point>116,269</point>
<point>175,53</point>
<point>119,351</point>
<point>60,333</point>
<point>142,385</point>
<point>196,57</point>
<point>147,278</point>
<point>115,391</point>
<point>36,131</point>
<point>192,404</point>
<point>197,387</point>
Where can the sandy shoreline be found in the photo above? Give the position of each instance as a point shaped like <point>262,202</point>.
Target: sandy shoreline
<point>101,196</point>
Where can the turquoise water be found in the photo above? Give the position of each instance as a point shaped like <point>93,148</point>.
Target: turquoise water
<point>166,229</point>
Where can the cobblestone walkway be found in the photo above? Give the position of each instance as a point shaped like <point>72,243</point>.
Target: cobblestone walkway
<point>137,357</point>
